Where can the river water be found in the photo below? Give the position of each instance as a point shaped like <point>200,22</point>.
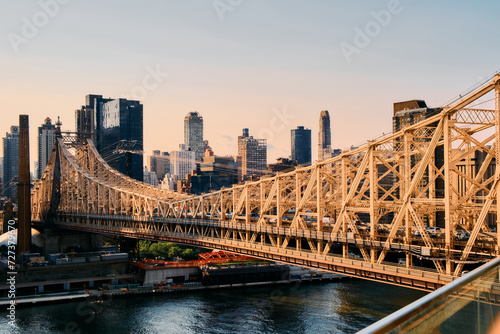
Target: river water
<point>328,307</point>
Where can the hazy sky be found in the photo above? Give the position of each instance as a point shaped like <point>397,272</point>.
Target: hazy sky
<point>268,65</point>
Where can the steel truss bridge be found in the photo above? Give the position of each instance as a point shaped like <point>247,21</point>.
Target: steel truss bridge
<point>363,213</point>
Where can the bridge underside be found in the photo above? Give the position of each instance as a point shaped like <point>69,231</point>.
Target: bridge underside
<point>356,214</point>
<point>246,239</point>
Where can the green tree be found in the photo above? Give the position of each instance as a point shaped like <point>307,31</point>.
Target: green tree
<point>174,251</point>
<point>167,250</point>
<point>189,254</point>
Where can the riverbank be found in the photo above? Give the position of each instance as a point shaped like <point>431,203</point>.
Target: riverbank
<point>343,306</point>
<point>44,298</point>
<point>129,290</point>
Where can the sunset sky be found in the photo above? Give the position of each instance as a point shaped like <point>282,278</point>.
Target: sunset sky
<point>266,65</point>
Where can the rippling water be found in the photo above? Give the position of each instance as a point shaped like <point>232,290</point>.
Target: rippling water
<point>333,307</point>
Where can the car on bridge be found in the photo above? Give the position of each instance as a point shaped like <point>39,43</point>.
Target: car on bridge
<point>430,233</point>
<point>433,229</point>
<point>462,235</point>
<point>327,220</point>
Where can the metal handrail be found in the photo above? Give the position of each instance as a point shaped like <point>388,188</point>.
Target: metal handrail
<point>395,319</point>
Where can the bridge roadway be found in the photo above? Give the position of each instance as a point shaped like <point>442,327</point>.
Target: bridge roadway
<point>263,242</point>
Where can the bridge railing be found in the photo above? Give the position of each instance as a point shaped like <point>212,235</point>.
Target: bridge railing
<point>470,304</point>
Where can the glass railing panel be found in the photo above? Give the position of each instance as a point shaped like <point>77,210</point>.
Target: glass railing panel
<point>470,304</point>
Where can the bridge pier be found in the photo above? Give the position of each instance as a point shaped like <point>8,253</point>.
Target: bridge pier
<point>129,245</point>
<point>59,240</point>
<point>409,260</point>
<point>8,214</point>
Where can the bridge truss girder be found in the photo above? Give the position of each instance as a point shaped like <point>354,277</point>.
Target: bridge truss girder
<point>442,170</point>
<point>237,238</point>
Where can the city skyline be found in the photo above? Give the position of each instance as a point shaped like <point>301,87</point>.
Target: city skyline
<point>265,66</point>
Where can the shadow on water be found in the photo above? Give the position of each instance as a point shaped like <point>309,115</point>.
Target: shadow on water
<point>336,307</point>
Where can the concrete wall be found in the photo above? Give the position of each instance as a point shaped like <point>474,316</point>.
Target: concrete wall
<point>59,241</point>
<point>157,275</point>
<point>73,270</point>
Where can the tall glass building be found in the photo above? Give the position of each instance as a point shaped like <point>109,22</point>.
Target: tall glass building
<point>46,141</point>
<point>193,134</point>
<point>11,162</point>
<point>324,136</point>
<point>118,133</point>
<point>301,145</point>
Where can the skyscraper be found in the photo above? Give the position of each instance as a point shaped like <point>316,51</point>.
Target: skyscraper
<point>301,145</point>
<point>84,122</point>
<point>182,162</point>
<point>11,162</point>
<point>214,173</point>
<point>159,163</point>
<point>253,153</point>
<point>409,112</point>
<point>46,141</point>
<point>325,136</point>
<point>118,132</point>
<point>193,134</point>
<point>85,116</point>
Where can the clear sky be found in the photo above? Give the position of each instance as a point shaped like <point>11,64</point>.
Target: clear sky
<point>269,65</point>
